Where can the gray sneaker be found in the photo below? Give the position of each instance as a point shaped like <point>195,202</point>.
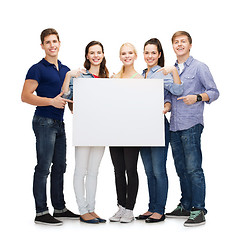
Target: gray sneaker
<point>117,216</point>
<point>196,218</point>
<point>179,212</point>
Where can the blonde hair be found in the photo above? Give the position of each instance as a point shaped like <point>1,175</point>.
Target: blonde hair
<point>120,73</point>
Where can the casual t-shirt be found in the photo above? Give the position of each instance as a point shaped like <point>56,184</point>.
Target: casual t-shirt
<point>50,82</point>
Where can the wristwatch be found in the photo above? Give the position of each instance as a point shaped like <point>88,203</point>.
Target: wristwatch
<point>199,98</point>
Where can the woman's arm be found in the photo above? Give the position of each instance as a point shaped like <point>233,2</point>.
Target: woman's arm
<point>69,75</point>
<point>173,71</point>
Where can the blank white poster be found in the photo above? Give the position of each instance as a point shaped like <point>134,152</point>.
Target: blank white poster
<point>118,112</point>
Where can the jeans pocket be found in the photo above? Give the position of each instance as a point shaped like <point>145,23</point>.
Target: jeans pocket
<point>42,121</point>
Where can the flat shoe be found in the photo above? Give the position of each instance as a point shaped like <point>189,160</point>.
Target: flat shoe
<point>143,217</point>
<point>93,221</point>
<point>101,220</point>
<point>154,220</point>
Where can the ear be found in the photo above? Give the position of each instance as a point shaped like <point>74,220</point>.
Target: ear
<point>42,46</point>
<point>160,54</point>
<point>190,47</point>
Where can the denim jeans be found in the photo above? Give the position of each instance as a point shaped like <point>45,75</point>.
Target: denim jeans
<point>87,162</point>
<point>51,150</point>
<point>154,161</point>
<point>187,154</point>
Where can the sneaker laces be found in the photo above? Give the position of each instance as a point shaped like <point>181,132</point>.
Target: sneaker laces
<point>194,214</point>
<point>179,207</point>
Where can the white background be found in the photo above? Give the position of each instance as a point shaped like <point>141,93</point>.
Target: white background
<point>214,26</point>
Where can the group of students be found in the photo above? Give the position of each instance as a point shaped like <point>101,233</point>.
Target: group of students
<point>187,85</point>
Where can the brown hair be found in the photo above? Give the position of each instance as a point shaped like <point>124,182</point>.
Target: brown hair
<point>157,43</point>
<point>103,71</point>
<point>47,32</point>
<point>180,33</point>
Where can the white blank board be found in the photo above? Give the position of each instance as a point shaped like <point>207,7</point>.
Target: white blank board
<point>118,112</point>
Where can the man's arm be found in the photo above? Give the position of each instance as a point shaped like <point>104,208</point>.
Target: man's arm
<point>191,99</point>
<point>29,97</point>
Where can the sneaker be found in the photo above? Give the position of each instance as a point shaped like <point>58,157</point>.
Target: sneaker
<point>196,218</point>
<point>47,219</point>
<point>127,217</point>
<point>117,216</point>
<point>65,214</point>
<point>179,212</point>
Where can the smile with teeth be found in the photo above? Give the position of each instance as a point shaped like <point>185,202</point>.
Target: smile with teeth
<point>96,60</point>
<point>52,50</point>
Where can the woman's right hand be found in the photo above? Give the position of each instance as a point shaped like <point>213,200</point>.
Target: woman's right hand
<point>74,73</point>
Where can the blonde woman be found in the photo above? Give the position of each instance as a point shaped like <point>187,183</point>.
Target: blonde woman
<point>125,159</point>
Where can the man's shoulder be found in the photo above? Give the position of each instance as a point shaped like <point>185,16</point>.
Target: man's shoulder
<point>198,63</point>
<point>37,65</point>
<point>63,66</point>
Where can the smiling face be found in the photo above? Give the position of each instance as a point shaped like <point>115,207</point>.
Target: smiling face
<point>51,46</point>
<point>181,46</point>
<point>95,55</point>
<point>151,55</point>
<point>128,54</point>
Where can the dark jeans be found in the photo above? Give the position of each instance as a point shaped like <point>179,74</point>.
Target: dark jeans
<point>125,163</point>
<point>187,154</point>
<point>51,150</point>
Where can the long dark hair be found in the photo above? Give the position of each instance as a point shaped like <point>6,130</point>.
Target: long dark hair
<point>103,71</point>
<point>157,43</point>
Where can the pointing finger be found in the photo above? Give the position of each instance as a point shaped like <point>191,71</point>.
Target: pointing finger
<point>181,98</point>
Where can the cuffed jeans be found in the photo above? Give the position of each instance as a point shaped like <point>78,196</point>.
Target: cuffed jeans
<point>187,154</point>
<point>87,162</point>
<point>51,150</point>
<point>154,161</point>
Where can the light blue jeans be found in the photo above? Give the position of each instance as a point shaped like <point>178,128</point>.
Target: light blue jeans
<point>154,161</point>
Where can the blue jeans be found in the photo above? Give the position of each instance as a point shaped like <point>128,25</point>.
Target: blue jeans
<point>187,154</point>
<point>51,150</point>
<point>154,161</point>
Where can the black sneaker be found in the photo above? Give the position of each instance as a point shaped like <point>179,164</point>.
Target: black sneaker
<point>47,219</point>
<point>196,218</point>
<point>179,212</point>
<point>65,215</point>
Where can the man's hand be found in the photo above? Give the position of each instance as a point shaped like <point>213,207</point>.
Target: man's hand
<point>59,102</point>
<point>189,99</point>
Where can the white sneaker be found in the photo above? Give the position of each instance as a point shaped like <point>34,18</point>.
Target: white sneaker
<point>127,217</point>
<point>117,216</point>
